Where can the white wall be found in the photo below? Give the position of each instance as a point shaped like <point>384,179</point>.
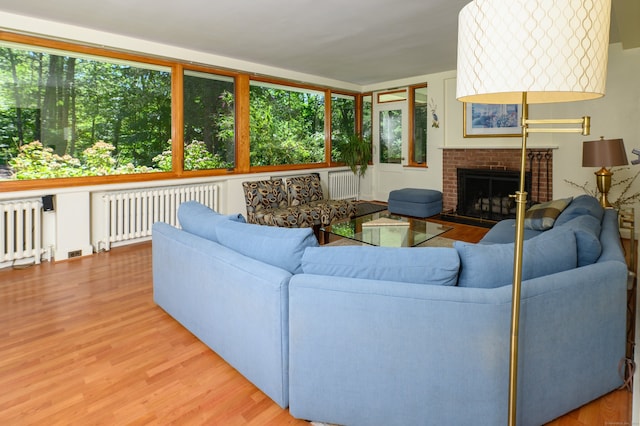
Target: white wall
<point>73,224</point>
<point>616,115</point>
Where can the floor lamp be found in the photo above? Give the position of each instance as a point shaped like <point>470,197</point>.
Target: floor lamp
<point>529,52</point>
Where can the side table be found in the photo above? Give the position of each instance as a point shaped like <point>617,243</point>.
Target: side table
<point>627,223</point>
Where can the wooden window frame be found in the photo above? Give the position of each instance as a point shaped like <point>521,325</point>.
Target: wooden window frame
<point>411,104</point>
<point>380,95</point>
<point>242,145</point>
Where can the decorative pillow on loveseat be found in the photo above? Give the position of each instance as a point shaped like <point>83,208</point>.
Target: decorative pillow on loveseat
<point>491,265</point>
<point>542,216</point>
<point>200,220</point>
<point>421,265</point>
<point>281,247</point>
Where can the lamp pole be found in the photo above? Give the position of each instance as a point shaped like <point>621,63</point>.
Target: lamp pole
<point>521,206</point>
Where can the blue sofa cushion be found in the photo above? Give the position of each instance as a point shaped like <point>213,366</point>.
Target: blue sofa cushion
<point>579,206</point>
<point>281,247</point>
<point>200,220</point>
<point>587,229</point>
<point>542,216</point>
<point>425,265</point>
<point>505,232</point>
<point>491,265</point>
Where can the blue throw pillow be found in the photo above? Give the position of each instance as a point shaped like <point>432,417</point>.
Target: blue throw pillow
<point>587,230</point>
<point>281,247</point>
<point>426,265</point>
<point>579,206</point>
<point>505,232</point>
<point>200,220</point>
<point>491,265</point>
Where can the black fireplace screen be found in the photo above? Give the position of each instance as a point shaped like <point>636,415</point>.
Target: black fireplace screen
<point>485,193</point>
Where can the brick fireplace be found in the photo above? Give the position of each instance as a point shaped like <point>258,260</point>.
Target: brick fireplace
<point>539,164</point>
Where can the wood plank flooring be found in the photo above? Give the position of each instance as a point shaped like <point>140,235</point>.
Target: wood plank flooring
<point>81,342</point>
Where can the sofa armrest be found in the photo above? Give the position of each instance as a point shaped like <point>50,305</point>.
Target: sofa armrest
<point>610,238</point>
<point>236,305</point>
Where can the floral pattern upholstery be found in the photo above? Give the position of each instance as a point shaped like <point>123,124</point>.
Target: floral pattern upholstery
<point>304,189</point>
<point>298,205</point>
<point>267,203</point>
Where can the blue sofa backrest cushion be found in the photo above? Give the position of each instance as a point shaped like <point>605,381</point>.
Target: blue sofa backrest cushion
<point>422,265</point>
<point>587,230</point>
<point>581,205</point>
<point>200,220</point>
<point>281,247</point>
<point>491,265</point>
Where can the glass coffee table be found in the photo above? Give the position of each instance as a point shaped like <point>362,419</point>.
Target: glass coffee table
<point>385,230</point>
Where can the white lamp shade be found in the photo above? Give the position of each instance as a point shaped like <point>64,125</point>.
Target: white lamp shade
<point>555,50</point>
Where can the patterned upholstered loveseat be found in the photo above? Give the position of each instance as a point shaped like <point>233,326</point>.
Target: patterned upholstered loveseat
<point>295,202</point>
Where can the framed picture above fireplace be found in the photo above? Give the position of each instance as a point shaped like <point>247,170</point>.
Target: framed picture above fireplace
<point>491,120</point>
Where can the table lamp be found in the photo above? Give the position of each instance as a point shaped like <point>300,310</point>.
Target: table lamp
<point>604,153</point>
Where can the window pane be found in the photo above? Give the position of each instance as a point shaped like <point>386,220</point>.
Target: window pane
<point>209,121</point>
<point>391,136</point>
<point>286,125</point>
<point>64,115</point>
<point>343,121</point>
<point>367,117</point>
<point>393,96</point>
<point>420,117</point>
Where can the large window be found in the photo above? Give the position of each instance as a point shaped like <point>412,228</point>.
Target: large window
<point>63,114</point>
<point>367,117</point>
<point>81,113</point>
<point>343,121</point>
<point>209,121</point>
<point>286,125</point>
<point>390,131</point>
<point>420,116</point>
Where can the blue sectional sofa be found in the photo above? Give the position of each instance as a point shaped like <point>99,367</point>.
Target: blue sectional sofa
<point>391,336</point>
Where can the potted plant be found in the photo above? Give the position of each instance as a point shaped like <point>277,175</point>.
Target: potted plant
<point>355,152</point>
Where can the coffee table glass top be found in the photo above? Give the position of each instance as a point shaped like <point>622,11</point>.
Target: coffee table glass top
<point>386,230</point>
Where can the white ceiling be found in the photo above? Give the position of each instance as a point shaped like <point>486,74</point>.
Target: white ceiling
<point>356,41</point>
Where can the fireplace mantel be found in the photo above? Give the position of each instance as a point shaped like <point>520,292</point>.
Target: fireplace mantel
<point>483,147</point>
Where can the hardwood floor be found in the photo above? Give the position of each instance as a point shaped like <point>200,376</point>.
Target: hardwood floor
<point>83,343</point>
<point>460,232</point>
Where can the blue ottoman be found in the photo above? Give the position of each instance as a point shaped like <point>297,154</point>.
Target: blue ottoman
<point>415,202</point>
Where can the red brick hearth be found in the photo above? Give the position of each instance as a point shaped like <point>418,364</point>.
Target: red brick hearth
<point>539,162</point>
